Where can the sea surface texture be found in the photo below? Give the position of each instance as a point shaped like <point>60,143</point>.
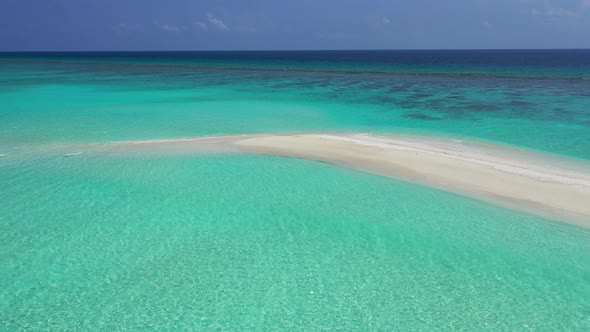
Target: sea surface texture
<point>235,242</point>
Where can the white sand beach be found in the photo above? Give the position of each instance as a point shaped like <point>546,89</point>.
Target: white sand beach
<point>535,183</point>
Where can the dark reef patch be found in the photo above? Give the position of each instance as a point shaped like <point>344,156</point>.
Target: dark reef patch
<point>421,116</point>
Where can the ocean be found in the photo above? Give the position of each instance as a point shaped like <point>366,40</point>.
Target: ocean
<point>226,241</point>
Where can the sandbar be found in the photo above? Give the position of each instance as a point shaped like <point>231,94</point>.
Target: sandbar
<point>536,183</point>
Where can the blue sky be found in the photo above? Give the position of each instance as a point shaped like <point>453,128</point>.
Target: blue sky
<point>28,25</point>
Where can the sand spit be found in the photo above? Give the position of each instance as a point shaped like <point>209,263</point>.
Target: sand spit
<point>539,184</point>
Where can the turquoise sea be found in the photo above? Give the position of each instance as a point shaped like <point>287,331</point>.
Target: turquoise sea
<point>238,242</point>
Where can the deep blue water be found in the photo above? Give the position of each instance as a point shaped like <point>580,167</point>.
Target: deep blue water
<point>573,63</point>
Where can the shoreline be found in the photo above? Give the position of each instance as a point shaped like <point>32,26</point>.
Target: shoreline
<point>542,185</point>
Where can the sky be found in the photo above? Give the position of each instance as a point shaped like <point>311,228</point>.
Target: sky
<point>119,25</point>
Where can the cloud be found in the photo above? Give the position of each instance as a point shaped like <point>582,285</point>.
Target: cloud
<point>548,8</point>
<point>216,22</point>
<point>554,12</point>
<point>212,22</point>
<point>200,25</point>
<point>487,25</point>
<point>560,12</point>
<point>168,27</point>
<point>378,21</point>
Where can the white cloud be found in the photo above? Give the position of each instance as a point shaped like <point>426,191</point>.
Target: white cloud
<point>200,25</point>
<point>549,8</point>
<point>168,27</point>
<point>216,22</point>
<point>487,25</point>
<point>378,21</point>
<point>554,12</point>
<point>560,12</point>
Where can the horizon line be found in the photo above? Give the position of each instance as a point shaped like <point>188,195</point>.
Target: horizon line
<point>307,50</point>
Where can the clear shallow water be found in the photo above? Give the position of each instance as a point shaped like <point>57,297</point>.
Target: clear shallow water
<point>227,242</point>
<point>44,102</point>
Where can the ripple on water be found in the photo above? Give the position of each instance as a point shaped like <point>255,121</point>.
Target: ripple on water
<point>228,242</point>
